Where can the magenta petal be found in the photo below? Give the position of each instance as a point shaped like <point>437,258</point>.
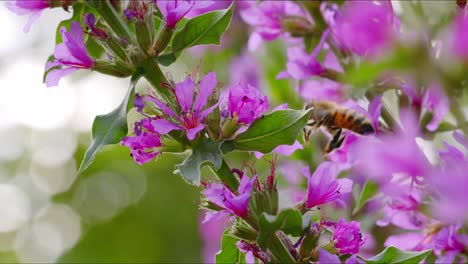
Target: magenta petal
<point>326,257</point>
<point>192,132</point>
<point>288,150</point>
<point>162,126</point>
<point>460,138</point>
<point>32,18</point>
<point>207,111</point>
<point>205,88</point>
<point>54,76</point>
<point>184,93</point>
<point>405,241</point>
<point>168,111</point>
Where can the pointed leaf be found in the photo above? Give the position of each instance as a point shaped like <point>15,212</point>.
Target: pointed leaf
<point>204,29</point>
<point>278,128</point>
<point>205,151</point>
<point>394,255</point>
<point>109,128</point>
<point>289,221</point>
<point>229,252</point>
<point>369,190</point>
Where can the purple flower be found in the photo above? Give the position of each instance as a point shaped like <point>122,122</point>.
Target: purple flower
<point>145,144</point>
<point>222,196</point>
<point>407,241</point>
<point>33,8</point>
<point>192,114</point>
<point>69,56</point>
<point>266,18</point>
<point>252,251</point>
<point>246,103</point>
<point>390,154</point>
<point>450,184</point>
<point>325,257</point>
<point>301,65</point>
<point>435,101</point>
<point>403,206</point>
<point>365,27</point>
<point>245,68</point>
<point>460,38</point>
<point>447,244</point>
<point>323,186</point>
<point>347,237</point>
<point>90,22</point>
<point>322,89</point>
<point>174,10</point>
<point>432,99</point>
<point>211,233</point>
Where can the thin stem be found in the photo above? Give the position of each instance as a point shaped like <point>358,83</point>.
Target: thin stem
<point>113,19</point>
<point>279,251</point>
<point>225,175</point>
<point>156,77</point>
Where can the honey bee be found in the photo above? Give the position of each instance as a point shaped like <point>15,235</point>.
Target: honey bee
<point>335,118</point>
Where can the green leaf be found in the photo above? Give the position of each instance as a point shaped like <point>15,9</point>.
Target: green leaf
<point>266,133</point>
<point>289,221</point>
<point>229,252</point>
<point>205,151</point>
<point>204,29</point>
<point>109,128</point>
<point>394,255</point>
<point>166,59</point>
<point>369,190</point>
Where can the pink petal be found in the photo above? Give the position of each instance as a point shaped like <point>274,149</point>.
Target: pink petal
<point>192,132</point>
<point>205,88</point>
<point>162,126</point>
<point>54,76</point>
<point>184,92</point>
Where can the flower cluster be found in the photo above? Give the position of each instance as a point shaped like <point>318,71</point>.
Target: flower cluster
<point>384,123</point>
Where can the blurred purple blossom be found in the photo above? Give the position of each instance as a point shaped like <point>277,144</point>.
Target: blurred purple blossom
<point>211,233</point>
<point>460,37</point>
<point>460,138</point>
<point>365,27</point>
<point>435,101</point>
<point>321,89</point>
<point>33,8</point>
<point>69,56</point>
<point>266,18</point>
<point>325,257</point>
<point>245,68</point>
<point>402,208</point>
<point>447,244</point>
<point>222,196</point>
<point>391,154</point>
<point>431,100</point>
<point>450,184</point>
<point>323,185</point>
<point>251,252</point>
<point>192,114</point>
<point>246,103</point>
<point>145,144</point>
<point>174,10</point>
<point>301,65</point>
<point>347,237</point>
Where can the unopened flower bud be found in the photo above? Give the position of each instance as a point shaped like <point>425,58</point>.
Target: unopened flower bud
<point>243,231</point>
<point>296,25</point>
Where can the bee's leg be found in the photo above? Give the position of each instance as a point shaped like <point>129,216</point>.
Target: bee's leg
<point>307,131</point>
<point>335,142</point>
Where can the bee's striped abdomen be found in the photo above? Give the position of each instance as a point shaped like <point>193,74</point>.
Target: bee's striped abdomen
<point>354,121</point>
